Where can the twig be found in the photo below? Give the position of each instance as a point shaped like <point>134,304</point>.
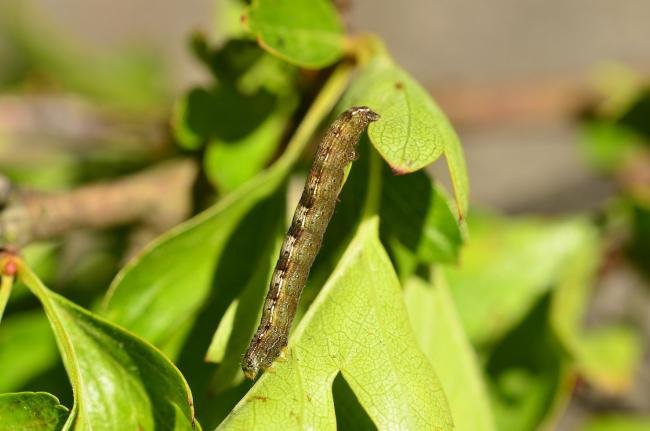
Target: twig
<point>157,198</point>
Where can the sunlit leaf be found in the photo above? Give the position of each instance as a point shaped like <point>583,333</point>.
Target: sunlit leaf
<point>118,380</point>
<point>33,411</point>
<point>413,131</point>
<point>307,33</point>
<point>357,326</point>
<point>441,338</point>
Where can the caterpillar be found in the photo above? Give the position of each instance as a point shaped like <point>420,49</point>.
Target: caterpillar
<point>303,240</point>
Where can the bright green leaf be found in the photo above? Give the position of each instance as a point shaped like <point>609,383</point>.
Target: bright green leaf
<point>307,33</point>
<point>118,380</point>
<point>357,326</point>
<point>33,411</point>
<point>413,131</point>
<point>440,336</point>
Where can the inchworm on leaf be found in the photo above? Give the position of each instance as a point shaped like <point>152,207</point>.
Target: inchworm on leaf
<point>315,209</point>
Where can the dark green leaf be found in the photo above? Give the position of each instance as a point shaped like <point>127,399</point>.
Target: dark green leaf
<point>416,213</point>
<point>527,377</point>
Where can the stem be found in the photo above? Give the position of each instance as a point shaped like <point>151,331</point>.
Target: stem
<point>158,197</point>
<point>323,104</point>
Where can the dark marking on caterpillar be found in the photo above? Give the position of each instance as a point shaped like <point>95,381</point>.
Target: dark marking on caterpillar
<point>399,85</point>
<point>304,238</point>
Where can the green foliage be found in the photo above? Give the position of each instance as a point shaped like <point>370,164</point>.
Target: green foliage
<point>442,339</point>
<point>358,326</point>
<point>402,325</point>
<point>117,379</point>
<point>307,33</point>
<point>413,131</point>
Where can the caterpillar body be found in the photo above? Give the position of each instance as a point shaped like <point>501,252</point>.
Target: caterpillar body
<point>303,240</point>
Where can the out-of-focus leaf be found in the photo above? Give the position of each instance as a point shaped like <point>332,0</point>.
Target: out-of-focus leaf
<point>527,376</point>
<point>441,338</point>
<point>618,422</point>
<point>637,114</point>
<point>606,356</point>
<point>33,411</point>
<point>413,131</point>
<point>416,213</point>
<point>307,33</point>
<point>27,348</point>
<point>506,267</point>
<point>170,280</point>
<point>230,164</point>
<point>242,117</point>
<point>221,113</point>
<point>608,145</point>
<point>357,325</point>
<point>118,380</point>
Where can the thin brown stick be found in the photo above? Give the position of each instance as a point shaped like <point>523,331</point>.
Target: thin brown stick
<point>158,198</point>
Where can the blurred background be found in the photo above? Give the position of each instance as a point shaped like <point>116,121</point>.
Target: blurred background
<point>520,80</point>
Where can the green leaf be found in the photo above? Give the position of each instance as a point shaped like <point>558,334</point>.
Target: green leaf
<point>413,131</point>
<point>608,145</point>
<point>606,356</point>
<point>440,336</point>
<point>527,374</point>
<point>21,333</point>
<point>308,33</point>
<point>620,422</point>
<point>357,326</point>
<point>506,267</point>
<point>230,164</point>
<point>417,214</point>
<point>170,280</point>
<point>118,380</point>
<point>33,411</point>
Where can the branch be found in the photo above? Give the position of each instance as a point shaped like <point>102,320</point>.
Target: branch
<point>157,198</point>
